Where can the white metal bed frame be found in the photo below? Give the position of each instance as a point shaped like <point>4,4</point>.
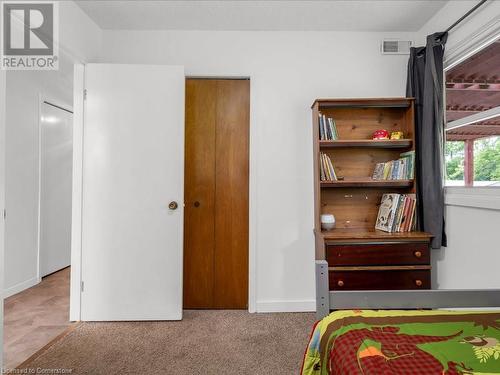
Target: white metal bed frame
<point>327,300</point>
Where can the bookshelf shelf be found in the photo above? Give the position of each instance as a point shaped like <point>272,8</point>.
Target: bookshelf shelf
<point>367,182</point>
<point>359,256</point>
<point>363,103</point>
<point>368,143</point>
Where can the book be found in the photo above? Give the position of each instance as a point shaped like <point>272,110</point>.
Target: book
<point>327,128</point>
<point>399,214</point>
<point>409,156</point>
<point>321,129</point>
<point>387,212</point>
<point>387,170</point>
<point>335,134</point>
<point>414,218</point>
<point>400,169</point>
<point>378,172</point>
<point>411,214</point>
<point>330,166</point>
<point>406,214</point>
<point>396,213</point>
<point>326,167</point>
<point>394,170</point>
<point>404,169</point>
<point>405,218</point>
<point>327,171</point>
<point>322,168</point>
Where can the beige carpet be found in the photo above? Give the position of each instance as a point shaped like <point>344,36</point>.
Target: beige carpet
<point>205,342</point>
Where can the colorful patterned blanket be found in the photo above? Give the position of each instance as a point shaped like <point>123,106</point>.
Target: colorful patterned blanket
<point>405,342</point>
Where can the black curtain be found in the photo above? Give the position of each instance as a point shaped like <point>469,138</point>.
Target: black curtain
<point>425,84</point>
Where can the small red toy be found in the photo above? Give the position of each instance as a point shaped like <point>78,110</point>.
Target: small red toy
<point>381,134</point>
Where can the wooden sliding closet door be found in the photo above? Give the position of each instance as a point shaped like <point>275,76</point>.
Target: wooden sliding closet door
<point>216,193</point>
<point>199,193</point>
<point>231,194</point>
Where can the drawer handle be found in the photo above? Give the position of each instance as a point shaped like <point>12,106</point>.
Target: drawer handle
<point>418,282</point>
<point>340,283</point>
<point>418,254</point>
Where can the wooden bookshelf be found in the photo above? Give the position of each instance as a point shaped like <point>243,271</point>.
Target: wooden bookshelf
<point>354,200</point>
<point>363,103</point>
<point>367,182</point>
<point>395,143</point>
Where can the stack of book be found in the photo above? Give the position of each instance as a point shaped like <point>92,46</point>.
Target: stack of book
<point>327,129</point>
<point>397,213</point>
<point>401,169</point>
<point>327,170</point>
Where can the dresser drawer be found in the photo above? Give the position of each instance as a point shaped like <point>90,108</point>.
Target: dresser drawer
<point>379,280</point>
<point>378,254</point>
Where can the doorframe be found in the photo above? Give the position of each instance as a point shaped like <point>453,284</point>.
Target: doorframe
<point>77,196</point>
<point>3,99</point>
<point>75,300</point>
<point>252,192</point>
<point>43,99</point>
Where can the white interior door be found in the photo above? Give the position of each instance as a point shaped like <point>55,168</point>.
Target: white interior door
<point>133,168</point>
<point>56,164</point>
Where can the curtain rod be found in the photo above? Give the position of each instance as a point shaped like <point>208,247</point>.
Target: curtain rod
<point>466,15</point>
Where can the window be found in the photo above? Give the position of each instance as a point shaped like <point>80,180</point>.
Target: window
<point>485,162</point>
<point>472,152</point>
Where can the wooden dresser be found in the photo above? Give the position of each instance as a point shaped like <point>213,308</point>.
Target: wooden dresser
<point>360,257</point>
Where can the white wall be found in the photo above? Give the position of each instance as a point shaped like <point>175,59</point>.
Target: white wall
<point>80,39</point>
<point>2,200</point>
<point>288,70</point>
<point>472,256</point>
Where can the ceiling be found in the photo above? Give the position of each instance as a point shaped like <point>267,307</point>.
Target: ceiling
<point>310,15</point>
<point>471,87</point>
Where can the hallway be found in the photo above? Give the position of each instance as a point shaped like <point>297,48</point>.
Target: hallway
<point>35,316</point>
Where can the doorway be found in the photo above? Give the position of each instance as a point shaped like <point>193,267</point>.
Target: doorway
<point>35,316</point>
<point>216,193</point>
<point>56,166</point>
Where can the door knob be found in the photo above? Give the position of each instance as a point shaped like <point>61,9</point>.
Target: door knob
<point>173,205</point>
<point>197,204</point>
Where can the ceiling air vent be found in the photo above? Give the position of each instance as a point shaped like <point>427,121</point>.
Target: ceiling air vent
<point>396,47</point>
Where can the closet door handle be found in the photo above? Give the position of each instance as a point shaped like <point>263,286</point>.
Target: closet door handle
<point>197,204</point>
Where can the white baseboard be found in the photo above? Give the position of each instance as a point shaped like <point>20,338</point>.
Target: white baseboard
<point>20,287</point>
<point>286,306</point>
